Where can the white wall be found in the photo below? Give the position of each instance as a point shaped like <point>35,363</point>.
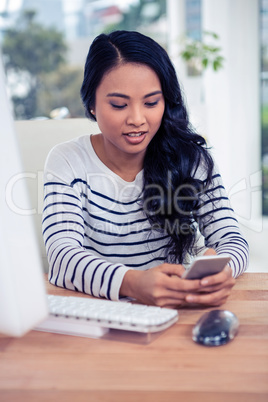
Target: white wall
<point>233,101</point>
<point>225,107</point>
<point>233,115</point>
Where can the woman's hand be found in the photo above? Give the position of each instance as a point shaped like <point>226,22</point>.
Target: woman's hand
<point>215,289</point>
<point>161,286</point>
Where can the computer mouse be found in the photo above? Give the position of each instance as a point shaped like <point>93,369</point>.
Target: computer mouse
<point>215,328</point>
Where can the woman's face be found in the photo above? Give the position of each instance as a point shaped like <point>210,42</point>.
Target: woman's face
<point>129,107</point>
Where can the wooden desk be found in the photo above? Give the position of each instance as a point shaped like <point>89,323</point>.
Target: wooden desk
<point>50,367</point>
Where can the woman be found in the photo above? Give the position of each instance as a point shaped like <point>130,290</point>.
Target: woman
<point>123,208</point>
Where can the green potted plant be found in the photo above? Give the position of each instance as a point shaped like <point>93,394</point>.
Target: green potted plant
<point>200,54</point>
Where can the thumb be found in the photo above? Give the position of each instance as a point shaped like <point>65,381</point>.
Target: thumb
<point>210,251</point>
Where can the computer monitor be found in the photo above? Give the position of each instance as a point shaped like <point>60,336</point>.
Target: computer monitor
<point>23,302</point>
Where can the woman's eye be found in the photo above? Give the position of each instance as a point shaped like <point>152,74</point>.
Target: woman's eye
<point>118,106</point>
<point>151,104</point>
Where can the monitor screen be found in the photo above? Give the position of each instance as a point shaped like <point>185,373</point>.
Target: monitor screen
<point>23,302</point>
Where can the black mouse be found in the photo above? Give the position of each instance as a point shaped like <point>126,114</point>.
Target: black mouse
<point>215,328</point>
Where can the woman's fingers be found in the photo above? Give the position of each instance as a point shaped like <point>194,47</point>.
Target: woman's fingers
<point>216,282</point>
<point>163,286</point>
<point>221,277</point>
<point>214,290</point>
<point>210,251</point>
<point>209,299</point>
<point>172,269</point>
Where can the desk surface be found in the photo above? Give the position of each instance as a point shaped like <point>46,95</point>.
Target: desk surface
<point>50,367</point>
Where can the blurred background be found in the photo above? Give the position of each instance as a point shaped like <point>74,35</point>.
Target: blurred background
<point>219,49</point>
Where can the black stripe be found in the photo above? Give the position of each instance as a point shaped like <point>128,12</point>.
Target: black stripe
<point>61,212</point>
<point>53,264</point>
<point>93,276</point>
<point>218,220</point>
<point>63,194</point>
<point>65,242</point>
<point>211,200</point>
<point>222,228</point>
<point>61,203</point>
<point>209,190</point>
<point>68,251</point>
<point>116,234</point>
<point>126,255</point>
<point>213,211</point>
<point>239,238</point>
<point>53,251</point>
<point>102,277</point>
<point>114,223</point>
<point>236,247</point>
<point>67,231</point>
<point>54,183</point>
<point>76,265</point>
<point>146,241</point>
<point>60,223</point>
<point>112,211</point>
<point>77,180</point>
<point>84,272</point>
<point>68,263</point>
<point>238,262</point>
<point>132,265</point>
<point>110,282</point>
<point>237,235</point>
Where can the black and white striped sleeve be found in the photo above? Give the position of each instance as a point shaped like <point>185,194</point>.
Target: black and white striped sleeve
<point>219,226</point>
<point>70,265</point>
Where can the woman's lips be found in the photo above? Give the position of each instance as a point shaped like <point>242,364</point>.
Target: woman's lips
<point>135,134</point>
<point>135,137</point>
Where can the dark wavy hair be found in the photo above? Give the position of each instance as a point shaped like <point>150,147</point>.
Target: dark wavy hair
<point>171,193</point>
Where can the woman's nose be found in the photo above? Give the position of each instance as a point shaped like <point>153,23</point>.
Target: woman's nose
<point>136,117</point>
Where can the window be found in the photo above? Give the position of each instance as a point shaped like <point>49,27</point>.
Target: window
<point>193,26</point>
<point>45,43</point>
<point>193,19</point>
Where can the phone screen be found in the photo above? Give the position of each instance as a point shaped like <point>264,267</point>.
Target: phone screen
<point>205,266</point>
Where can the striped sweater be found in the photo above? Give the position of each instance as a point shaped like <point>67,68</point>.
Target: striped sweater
<point>95,229</point>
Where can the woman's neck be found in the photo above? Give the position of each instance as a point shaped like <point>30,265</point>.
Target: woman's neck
<point>126,166</point>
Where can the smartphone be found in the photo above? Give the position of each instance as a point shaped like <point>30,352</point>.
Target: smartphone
<point>205,266</point>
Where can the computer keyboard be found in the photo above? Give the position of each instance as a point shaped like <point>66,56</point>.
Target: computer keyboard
<point>102,313</point>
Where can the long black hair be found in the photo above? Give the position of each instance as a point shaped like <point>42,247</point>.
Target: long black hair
<point>171,193</point>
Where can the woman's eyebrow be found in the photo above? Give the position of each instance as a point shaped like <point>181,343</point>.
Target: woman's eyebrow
<point>153,93</point>
<point>119,95</point>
